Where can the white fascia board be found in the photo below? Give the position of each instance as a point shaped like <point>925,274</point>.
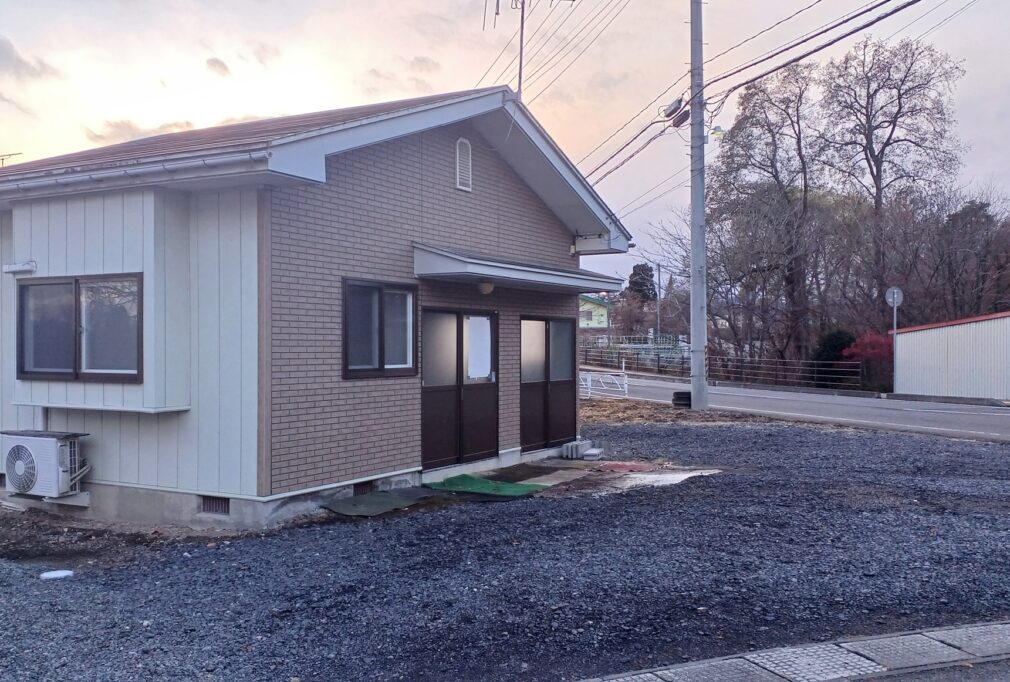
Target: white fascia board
<point>619,236</point>
<point>436,264</point>
<point>304,155</point>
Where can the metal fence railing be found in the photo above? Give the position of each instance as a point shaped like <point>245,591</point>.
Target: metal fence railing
<point>603,384</point>
<point>770,371</point>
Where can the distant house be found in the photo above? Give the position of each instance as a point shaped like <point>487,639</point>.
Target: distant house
<point>594,312</point>
<point>245,317</point>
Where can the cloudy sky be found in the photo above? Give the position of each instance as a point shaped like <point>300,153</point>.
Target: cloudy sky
<point>80,74</point>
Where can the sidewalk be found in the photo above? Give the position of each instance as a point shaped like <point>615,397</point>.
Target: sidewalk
<point>867,658</point>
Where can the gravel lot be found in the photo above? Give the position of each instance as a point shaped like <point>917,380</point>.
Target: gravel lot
<point>810,534</point>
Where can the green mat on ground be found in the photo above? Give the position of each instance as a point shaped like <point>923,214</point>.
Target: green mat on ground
<point>482,486</point>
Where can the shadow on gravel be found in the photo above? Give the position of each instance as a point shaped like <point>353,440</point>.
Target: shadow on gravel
<point>810,534</point>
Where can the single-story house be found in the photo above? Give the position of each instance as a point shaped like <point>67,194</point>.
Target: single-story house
<point>246,317</point>
<point>594,312</point>
<point>965,358</point>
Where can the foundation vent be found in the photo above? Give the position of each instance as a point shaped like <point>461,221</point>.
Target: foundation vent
<point>215,505</point>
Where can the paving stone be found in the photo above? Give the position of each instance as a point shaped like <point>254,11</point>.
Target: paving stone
<point>730,670</point>
<point>906,651</point>
<point>641,677</point>
<point>982,640</point>
<point>817,663</point>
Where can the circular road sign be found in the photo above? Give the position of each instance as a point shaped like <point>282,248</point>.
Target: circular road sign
<point>894,297</point>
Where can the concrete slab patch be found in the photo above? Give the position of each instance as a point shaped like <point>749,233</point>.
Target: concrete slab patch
<point>818,663</point>
<point>623,467</point>
<point>728,670</point>
<point>558,477</point>
<point>661,478</point>
<point>640,677</point>
<point>906,651</point>
<point>983,640</point>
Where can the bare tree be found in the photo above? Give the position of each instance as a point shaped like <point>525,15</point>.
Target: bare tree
<point>888,118</point>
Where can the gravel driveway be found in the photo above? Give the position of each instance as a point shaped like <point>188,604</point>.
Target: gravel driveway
<point>810,534</point>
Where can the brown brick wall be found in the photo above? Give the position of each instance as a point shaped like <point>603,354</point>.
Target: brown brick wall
<point>361,223</point>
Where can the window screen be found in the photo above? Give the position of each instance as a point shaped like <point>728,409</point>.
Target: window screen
<point>397,313</point>
<point>362,327</point>
<point>75,326</point>
<point>47,328</point>
<point>109,325</point>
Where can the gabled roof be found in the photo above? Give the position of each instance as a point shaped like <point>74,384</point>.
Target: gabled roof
<point>293,150</point>
<point>233,136</point>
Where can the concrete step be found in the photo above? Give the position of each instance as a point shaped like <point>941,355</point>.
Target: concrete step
<point>593,454</point>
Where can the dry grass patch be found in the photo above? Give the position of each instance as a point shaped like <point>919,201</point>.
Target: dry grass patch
<point>619,411</point>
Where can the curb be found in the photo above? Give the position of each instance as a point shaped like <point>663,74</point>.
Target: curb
<point>851,658</point>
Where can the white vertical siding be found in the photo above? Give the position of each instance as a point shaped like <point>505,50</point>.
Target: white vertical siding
<point>198,253</point>
<point>970,360</point>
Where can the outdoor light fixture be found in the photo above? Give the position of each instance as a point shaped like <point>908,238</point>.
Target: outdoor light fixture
<point>485,287</point>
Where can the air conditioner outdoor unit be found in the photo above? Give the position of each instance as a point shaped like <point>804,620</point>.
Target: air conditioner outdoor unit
<point>43,463</point>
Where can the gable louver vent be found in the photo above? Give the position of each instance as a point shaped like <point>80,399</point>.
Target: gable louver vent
<point>464,166</point>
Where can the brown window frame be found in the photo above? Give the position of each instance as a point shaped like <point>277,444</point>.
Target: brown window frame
<point>381,371</point>
<point>78,374</point>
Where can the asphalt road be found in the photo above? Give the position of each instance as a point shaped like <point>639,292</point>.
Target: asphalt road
<point>940,419</point>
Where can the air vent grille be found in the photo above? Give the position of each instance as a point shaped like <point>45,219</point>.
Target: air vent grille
<point>464,165</point>
<point>215,505</point>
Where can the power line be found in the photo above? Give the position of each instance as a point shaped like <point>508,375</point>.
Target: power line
<point>620,149</point>
<point>800,41</point>
<point>729,91</point>
<point>545,41</point>
<point>579,55</point>
<point>515,57</point>
<point>916,21</point>
<point>580,28</point>
<point>726,93</point>
<point>659,196</point>
<point>633,118</point>
<point>654,187</point>
<point>632,155</point>
<point>507,46</point>
<point>721,54</point>
<point>943,23</point>
<point>766,30</point>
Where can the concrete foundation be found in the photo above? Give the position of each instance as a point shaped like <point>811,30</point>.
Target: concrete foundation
<point>147,506</point>
<point>150,506</point>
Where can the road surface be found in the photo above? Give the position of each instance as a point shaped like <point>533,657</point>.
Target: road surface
<point>943,419</point>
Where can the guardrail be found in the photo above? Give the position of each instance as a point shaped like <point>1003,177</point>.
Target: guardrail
<point>799,373</point>
<point>603,385</point>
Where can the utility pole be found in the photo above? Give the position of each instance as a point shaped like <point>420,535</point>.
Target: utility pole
<point>522,46</point>
<point>699,313</point>
<point>659,297</point>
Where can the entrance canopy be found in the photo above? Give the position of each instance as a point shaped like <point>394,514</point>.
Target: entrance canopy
<point>453,266</point>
